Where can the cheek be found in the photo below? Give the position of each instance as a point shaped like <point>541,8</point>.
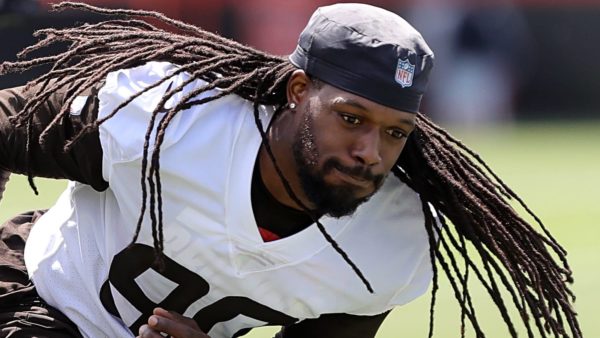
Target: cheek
<point>334,144</point>
<point>391,154</point>
<point>330,138</point>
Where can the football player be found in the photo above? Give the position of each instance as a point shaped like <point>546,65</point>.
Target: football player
<point>215,188</point>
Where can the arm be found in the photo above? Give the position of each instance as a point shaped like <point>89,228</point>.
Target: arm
<point>335,326</point>
<point>4,175</point>
<point>170,323</point>
<point>82,163</point>
<point>326,326</point>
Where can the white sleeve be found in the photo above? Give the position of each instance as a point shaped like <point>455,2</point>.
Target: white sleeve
<point>418,284</point>
<point>422,273</point>
<point>122,136</point>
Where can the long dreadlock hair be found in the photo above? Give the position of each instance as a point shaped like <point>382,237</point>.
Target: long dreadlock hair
<point>463,200</point>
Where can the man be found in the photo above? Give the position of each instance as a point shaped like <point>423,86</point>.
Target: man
<point>217,188</point>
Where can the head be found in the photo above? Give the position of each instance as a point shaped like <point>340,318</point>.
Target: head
<point>368,70</point>
<point>343,145</point>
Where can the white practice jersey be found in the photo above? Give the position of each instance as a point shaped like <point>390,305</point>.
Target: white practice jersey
<point>217,270</point>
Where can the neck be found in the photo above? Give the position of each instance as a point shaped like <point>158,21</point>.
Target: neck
<point>281,145</point>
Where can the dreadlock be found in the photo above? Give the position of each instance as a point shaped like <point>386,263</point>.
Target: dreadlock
<point>463,200</point>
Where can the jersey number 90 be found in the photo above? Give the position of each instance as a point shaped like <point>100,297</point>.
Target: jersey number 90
<point>190,287</point>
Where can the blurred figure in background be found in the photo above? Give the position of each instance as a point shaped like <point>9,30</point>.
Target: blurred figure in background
<point>484,55</point>
<point>18,6</point>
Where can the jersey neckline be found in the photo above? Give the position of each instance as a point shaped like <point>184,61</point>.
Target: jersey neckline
<point>249,252</point>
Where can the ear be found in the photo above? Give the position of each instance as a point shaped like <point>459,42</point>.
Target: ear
<point>298,86</point>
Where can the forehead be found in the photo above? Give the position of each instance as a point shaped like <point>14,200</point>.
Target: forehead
<point>338,98</point>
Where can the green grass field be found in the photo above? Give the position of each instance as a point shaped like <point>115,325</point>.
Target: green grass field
<point>555,167</point>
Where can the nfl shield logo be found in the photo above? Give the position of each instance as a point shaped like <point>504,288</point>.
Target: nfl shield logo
<point>404,73</point>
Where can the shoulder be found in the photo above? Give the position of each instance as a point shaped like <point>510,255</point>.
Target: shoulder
<point>389,242</point>
<point>133,99</point>
<point>396,208</point>
<point>144,87</point>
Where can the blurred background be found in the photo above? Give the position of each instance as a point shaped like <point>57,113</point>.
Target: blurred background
<point>518,81</point>
<point>496,60</point>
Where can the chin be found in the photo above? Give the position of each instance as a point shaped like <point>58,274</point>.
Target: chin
<point>342,204</point>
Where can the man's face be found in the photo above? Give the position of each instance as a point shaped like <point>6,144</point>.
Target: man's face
<point>344,147</point>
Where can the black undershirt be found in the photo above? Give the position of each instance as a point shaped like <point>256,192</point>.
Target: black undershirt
<point>272,215</point>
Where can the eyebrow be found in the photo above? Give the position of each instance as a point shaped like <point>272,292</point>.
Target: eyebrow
<point>356,104</point>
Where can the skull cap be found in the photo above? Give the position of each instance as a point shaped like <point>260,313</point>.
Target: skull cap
<point>367,51</point>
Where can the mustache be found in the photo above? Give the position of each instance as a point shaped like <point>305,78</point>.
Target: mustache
<point>360,171</point>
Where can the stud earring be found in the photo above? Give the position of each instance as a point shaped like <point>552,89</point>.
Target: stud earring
<point>292,105</point>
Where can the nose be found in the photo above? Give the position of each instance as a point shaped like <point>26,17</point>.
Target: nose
<point>366,148</point>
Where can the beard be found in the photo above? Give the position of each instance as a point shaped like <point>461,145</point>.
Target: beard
<point>328,199</point>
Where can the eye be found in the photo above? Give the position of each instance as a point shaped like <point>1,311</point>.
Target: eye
<point>351,119</point>
<point>396,133</point>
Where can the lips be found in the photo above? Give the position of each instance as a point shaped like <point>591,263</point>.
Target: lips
<point>352,179</point>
